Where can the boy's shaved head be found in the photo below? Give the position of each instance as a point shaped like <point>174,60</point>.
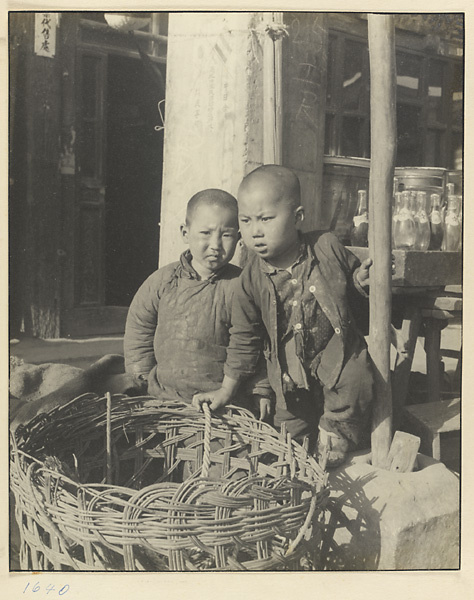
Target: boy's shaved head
<point>211,197</point>
<point>279,182</point>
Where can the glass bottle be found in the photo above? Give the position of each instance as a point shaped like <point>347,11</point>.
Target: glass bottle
<point>423,230</point>
<point>395,186</point>
<point>444,208</point>
<point>360,226</point>
<point>452,225</point>
<point>397,204</point>
<point>413,203</point>
<point>436,223</point>
<point>405,230</point>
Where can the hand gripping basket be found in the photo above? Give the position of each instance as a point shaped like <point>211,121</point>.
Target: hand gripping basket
<point>128,484</point>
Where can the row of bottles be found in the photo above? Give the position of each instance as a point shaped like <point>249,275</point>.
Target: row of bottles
<point>419,226</point>
<point>416,225</point>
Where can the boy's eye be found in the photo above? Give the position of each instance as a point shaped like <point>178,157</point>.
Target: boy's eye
<point>204,232</point>
<point>244,220</point>
<point>265,219</point>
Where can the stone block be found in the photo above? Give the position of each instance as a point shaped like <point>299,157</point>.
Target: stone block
<point>384,520</point>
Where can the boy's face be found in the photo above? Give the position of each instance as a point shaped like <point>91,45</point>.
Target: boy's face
<point>212,237</point>
<point>268,224</point>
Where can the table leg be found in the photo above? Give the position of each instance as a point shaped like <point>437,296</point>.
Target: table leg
<point>405,344</point>
<point>433,329</point>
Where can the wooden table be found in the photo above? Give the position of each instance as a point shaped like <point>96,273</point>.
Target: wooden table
<point>428,285</point>
<point>432,419</point>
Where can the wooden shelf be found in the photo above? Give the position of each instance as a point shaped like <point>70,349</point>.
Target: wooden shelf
<point>421,269</point>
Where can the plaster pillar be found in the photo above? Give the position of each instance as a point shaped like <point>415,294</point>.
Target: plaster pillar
<point>213,128</point>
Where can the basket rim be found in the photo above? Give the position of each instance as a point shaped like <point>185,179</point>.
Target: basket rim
<point>168,517</point>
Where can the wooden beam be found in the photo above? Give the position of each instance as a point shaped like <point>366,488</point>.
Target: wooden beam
<point>383,149</point>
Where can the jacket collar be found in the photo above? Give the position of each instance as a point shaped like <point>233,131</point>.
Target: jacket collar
<point>190,272</point>
<point>304,252</point>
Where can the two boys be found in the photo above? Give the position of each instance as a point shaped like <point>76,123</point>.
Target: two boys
<point>292,303</point>
<point>177,328</point>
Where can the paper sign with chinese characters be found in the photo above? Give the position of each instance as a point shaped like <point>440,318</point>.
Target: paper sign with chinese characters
<point>45,34</point>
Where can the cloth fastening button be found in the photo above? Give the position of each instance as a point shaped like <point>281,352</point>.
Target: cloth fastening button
<point>294,281</point>
<point>295,303</point>
<point>337,330</point>
<point>312,289</point>
<point>298,326</point>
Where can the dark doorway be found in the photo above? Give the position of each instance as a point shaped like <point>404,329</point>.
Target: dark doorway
<point>134,150</point>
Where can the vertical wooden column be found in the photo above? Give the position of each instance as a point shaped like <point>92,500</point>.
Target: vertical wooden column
<point>272,96</point>
<point>433,329</point>
<point>67,163</point>
<point>383,149</point>
<point>43,200</point>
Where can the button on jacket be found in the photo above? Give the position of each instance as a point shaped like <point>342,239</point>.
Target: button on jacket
<point>332,280</point>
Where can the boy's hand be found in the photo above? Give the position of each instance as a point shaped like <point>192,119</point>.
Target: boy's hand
<point>363,272</point>
<point>217,399</point>
<point>263,406</point>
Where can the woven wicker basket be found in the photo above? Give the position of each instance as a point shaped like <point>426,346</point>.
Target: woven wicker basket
<point>127,484</point>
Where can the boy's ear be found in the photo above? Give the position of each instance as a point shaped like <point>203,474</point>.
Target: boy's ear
<point>184,232</point>
<point>299,214</point>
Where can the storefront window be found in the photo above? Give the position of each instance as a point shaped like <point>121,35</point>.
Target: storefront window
<point>429,101</point>
<point>436,100</point>
<point>409,135</point>
<point>408,76</point>
<point>353,81</point>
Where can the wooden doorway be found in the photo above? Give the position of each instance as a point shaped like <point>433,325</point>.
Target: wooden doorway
<point>133,180</point>
<point>116,193</point>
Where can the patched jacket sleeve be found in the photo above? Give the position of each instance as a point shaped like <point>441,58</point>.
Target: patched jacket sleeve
<point>246,333</point>
<point>140,327</point>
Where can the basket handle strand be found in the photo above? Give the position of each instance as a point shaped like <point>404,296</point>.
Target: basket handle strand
<point>304,527</point>
<point>206,459</point>
<point>206,463</point>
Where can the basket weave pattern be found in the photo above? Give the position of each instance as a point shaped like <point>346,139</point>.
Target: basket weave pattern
<point>137,484</point>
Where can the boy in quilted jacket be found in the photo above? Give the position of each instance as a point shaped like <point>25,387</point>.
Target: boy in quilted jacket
<point>295,302</point>
<point>177,328</point>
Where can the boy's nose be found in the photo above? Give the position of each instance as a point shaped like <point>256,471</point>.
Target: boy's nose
<point>216,242</point>
<point>256,229</point>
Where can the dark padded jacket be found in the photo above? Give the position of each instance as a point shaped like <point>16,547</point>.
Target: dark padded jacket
<point>177,331</point>
<point>254,318</point>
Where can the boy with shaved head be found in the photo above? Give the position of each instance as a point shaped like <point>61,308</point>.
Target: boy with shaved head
<point>294,302</point>
<point>178,323</point>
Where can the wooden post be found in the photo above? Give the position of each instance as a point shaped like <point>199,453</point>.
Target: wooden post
<point>272,92</point>
<point>383,148</point>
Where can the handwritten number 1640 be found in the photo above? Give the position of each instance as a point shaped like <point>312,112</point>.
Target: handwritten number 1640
<point>49,588</point>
